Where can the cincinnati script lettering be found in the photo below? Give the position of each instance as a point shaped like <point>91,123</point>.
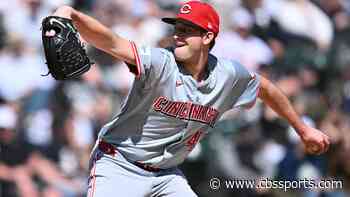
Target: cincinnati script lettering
<point>186,110</point>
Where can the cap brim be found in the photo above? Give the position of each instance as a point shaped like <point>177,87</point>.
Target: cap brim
<point>170,21</point>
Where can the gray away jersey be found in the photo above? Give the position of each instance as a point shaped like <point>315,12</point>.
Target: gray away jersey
<point>167,112</point>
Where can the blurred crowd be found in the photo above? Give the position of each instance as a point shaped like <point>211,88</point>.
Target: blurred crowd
<point>48,127</point>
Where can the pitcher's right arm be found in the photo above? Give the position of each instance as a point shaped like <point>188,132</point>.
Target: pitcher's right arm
<point>100,36</point>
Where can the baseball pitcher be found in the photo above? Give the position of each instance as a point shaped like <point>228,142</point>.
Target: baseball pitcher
<point>177,95</point>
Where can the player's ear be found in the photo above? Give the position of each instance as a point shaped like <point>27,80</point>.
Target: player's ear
<point>208,37</point>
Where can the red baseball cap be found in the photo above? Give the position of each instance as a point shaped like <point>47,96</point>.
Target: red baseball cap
<point>198,13</point>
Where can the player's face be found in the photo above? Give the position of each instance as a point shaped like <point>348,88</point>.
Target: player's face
<point>188,41</point>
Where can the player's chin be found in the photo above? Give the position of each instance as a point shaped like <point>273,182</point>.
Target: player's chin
<point>181,53</point>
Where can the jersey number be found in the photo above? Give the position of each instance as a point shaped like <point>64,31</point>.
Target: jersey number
<point>191,143</point>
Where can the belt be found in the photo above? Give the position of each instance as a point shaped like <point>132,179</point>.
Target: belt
<point>111,150</point>
<point>107,148</point>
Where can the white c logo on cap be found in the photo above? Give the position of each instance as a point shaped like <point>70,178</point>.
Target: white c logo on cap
<point>185,9</point>
<point>210,26</point>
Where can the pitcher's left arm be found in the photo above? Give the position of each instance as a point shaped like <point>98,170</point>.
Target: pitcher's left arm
<point>315,141</point>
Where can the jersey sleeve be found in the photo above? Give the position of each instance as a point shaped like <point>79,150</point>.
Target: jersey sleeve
<point>152,64</point>
<point>251,84</point>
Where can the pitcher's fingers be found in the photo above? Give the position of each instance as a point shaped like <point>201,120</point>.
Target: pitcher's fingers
<point>326,143</point>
